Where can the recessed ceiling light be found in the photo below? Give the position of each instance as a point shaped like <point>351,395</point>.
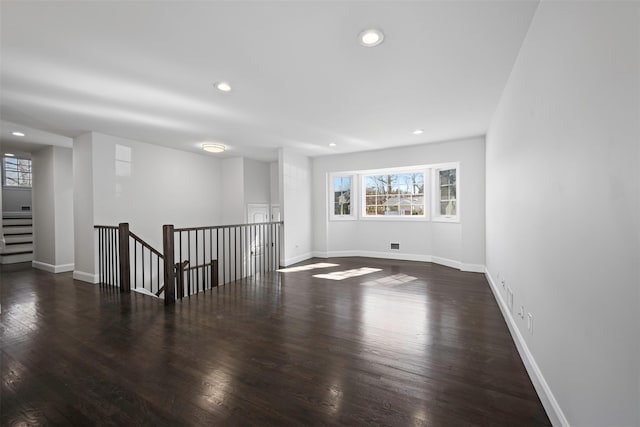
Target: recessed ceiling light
<point>223,86</point>
<point>213,148</point>
<point>9,154</point>
<point>418,131</point>
<point>332,144</point>
<point>17,133</point>
<point>371,37</point>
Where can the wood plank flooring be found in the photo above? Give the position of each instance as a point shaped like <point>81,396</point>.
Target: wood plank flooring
<point>410,344</point>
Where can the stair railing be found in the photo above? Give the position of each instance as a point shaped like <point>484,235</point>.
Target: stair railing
<point>203,257</point>
<point>215,255</point>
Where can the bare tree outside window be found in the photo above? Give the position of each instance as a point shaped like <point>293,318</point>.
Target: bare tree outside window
<point>394,194</point>
<point>17,172</point>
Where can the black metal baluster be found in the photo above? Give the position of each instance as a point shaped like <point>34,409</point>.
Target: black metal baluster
<point>218,251</point>
<point>180,258</point>
<point>204,262</point>
<point>211,258</point>
<point>189,257</point>
<point>135,265</point>
<point>197,273</point>
<point>110,257</point>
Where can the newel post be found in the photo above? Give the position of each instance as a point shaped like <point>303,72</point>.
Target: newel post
<point>169,268</point>
<point>124,261</point>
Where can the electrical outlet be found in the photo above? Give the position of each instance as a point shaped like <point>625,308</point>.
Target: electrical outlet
<point>530,323</point>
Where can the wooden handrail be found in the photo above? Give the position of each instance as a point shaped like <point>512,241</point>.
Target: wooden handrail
<point>217,227</point>
<point>145,244</point>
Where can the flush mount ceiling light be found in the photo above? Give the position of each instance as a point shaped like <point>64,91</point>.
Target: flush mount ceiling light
<point>17,133</point>
<point>332,144</point>
<point>418,131</point>
<point>213,148</point>
<point>371,37</point>
<point>9,154</point>
<point>223,86</point>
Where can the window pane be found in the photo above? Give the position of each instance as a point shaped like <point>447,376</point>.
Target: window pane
<point>448,208</point>
<point>11,178</point>
<point>395,194</point>
<point>342,183</point>
<point>342,195</point>
<point>448,187</point>
<point>444,193</point>
<point>17,172</point>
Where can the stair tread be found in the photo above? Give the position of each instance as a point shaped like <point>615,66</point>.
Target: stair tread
<point>15,253</point>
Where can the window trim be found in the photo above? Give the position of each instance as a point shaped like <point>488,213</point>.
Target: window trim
<point>393,171</point>
<point>435,190</point>
<point>353,216</point>
<point>4,173</point>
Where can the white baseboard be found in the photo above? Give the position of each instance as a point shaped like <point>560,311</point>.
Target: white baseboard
<point>296,259</point>
<point>555,413</point>
<point>446,262</point>
<point>473,268</point>
<point>86,277</point>
<point>52,268</point>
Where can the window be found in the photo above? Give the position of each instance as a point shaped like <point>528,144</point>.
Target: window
<point>342,197</point>
<point>17,172</point>
<point>447,193</point>
<point>394,194</point>
<point>415,193</point>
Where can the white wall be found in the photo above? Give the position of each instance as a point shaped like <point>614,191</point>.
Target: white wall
<point>63,202</point>
<point>121,180</point>
<point>563,209</point>
<point>14,198</point>
<point>232,183</point>
<point>257,181</point>
<point>83,194</point>
<point>274,183</point>
<point>455,244</point>
<point>53,209</point>
<point>44,249</point>
<point>295,190</point>
<point>147,186</point>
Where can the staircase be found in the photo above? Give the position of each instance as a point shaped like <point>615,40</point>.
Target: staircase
<point>18,239</point>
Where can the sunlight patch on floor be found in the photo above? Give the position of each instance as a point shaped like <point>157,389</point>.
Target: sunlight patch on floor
<point>341,275</point>
<point>308,267</point>
<point>396,279</point>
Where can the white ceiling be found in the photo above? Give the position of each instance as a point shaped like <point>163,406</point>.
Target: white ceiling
<point>144,70</point>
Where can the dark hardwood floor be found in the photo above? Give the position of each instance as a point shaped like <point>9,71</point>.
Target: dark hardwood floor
<point>412,344</point>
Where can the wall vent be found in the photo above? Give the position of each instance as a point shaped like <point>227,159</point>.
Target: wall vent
<point>25,208</point>
<point>395,246</point>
